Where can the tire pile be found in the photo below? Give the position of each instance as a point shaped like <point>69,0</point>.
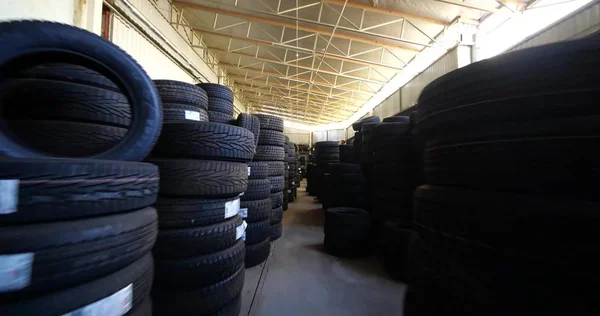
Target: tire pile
<point>325,153</point>
<point>393,186</point>
<point>508,219</point>
<point>293,179</point>
<point>76,233</point>
<point>271,150</point>
<point>286,174</point>
<point>347,232</point>
<point>256,201</point>
<point>199,252</point>
<point>220,102</point>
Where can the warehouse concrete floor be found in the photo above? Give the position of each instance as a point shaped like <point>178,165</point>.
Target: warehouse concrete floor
<point>299,278</point>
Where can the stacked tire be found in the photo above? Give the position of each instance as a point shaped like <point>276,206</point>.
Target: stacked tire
<point>325,153</point>
<point>220,102</point>
<point>393,185</point>
<point>347,232</point>
<point>508,218</point>
<point>256,201</point>
<point>76,233</point>
<point>287,174</point>
<point>271,150</point>
<point>199,253</point>
<point>346,187</point>
<point>293,180</point>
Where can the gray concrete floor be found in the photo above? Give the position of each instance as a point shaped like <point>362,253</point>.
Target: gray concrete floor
<point>299,278</point>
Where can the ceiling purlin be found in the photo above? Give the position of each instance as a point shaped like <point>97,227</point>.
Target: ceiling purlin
<point>356,75</point>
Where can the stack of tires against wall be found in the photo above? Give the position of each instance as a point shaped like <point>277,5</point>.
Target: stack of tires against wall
<point>311,169</point>
<point>292,179</point>
<point>325,153</point>
<point>358,136</point>
<point>256,201</point>
<point>508,218</point>
<point>199,253</point>
<point>271,150</point>
<point>76,232</point>
<point>220,102</point>
<point>393,186</point>
<point>286,174</point>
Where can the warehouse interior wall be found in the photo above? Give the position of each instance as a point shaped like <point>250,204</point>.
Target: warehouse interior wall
<point>297,136</point>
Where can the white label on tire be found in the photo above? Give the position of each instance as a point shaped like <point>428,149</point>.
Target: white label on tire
<point>249,170</point>
<point>232,208</point>
<point>15,271</point>
<point>9,196</point>
<point>244,236</point>
<point>115,305</point>
<point>244,212</point>
<point>192,115</point>
<point>240,230</point>
<point>290,191</point>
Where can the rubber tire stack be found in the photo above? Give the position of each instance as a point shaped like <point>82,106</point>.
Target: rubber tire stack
<point>347,232</point>
<point>200,249</point>
<point>65,252</point>
<point>508,218</point>
<point>325,153</point>
<point>293,172</point>
<point>358,136</point>
<point>271,150</point>
<point>76,231</point>
<point>287,174</point>
<point>347,187</point>
<point>220,102</point>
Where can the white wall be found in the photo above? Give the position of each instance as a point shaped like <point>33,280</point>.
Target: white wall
<point>297,136</point>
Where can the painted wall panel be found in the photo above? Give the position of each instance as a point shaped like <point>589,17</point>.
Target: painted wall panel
<point>297,136</point>
<point>579,24</point>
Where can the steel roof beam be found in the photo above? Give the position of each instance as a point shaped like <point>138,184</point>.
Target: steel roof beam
<point>299,27</point>
<point>284,45</point>
<point>334,106</point>
<point>292,117</point>
<point>289,78</point>
<point>269,88</point>
<point>278,62</point>
<point>387,11</point>
<point>295,108</point>
<point>278,99</point>
<point>297,88</point>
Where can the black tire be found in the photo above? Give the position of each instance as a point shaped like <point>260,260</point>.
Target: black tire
<point>396,119</point>
<point>466,97</point>
<point>326,144</point>
<point>142,309</point>
<point>201,178</point>
<point>82,47</point>
<point>214,90</point>
<point>269,153</point>
<point>201,301</point>
<point>232,308</point>
<point>347,154</point>
<point>199,271</point>
<point>276,231</point>
<point>347,232</point>
<point>68,73</point>
<point>258,170</point>
<point>206,140</point>
<point>276,199</point>
<point>269,137</point>
<point>218,117</point>
<point>257,210</point>
<point>192,212</point>
<point>259,252</point>
<point>270,122</point>
<point>172,91</point>
<point>60,189</point>
<point>277,184</point>
<point>357,126</point>
<point>276,168</point>
<point>276,214</point>
<point>196,241</point>
<point>68,253</point>
<point>42,99</point>
<point>138,274</point>
<point>251,123</point>
<point>258,189</point>
<point>258,231</point>
<point>180,113</point>
<point>221,106</point>
<point>66,139</point>
<point>395,238</point>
